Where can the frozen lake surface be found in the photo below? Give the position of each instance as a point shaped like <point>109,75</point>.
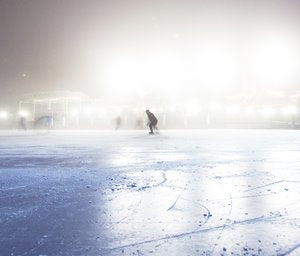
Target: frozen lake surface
<point>207,192</point>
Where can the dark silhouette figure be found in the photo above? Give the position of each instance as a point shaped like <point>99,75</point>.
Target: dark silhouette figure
<point>22,123</point>
<point>139,123</point>
<point>45,121</point>
<point>118,123</point>
<point>152,121</point>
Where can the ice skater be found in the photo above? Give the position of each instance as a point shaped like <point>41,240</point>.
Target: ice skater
<point>139,123</point>
<point>44,121</point>
<point>118,123</point>
<point>22,123</point>
<point>152,121</point>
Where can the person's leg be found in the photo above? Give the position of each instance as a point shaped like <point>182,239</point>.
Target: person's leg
<point>151,129</point>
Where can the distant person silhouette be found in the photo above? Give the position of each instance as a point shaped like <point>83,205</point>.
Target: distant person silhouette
<point>44,121</point>
<point>118,123</point>
<point>152,121</point>
<point>139,123</point>
<point>22,123</point>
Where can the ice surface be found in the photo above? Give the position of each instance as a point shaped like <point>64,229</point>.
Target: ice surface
<point>208,192</point>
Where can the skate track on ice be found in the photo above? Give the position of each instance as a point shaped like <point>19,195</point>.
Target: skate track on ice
<point>205,192</point>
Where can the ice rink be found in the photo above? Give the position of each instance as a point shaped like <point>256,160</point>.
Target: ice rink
<point>205,192</point>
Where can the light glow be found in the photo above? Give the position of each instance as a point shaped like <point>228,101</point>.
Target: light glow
<point>275,59</point>
<point>289,110</point>
<point>74,113</point>
<point>233,110</point>
<point>215,107</point>
<point>23,113</point>
<point>88,112</point>
<point>3,114</point>
<point>268,111</point>
<point>249,110</point>
<point>193,109</point>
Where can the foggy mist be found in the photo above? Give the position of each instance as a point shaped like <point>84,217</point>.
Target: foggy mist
<point>116,50</point>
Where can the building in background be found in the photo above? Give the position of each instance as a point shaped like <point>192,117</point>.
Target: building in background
<point>75,110</point>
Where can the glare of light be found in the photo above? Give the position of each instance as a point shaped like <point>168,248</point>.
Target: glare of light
<point>143,92</point>
<point>276,59</point>
<point>249,110</point>
<point>215,107</point>
<point>233,110</point>
<point>74,113</point>
<point>171,109</point>
<point>122,75</point>
<point>3,114</point>
<point>135,110</point>
<point>193,109</point>
<point>102,112</point>
<point>88,112</point>
<point>118,111</point>
<point>162,70</point>
<point>216,65</point>
<point>290,110</point>
<point>23,113</point>
<point>268,111</point>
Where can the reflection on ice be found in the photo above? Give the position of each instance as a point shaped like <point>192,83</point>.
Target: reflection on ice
<point>200,193</point>
<point>195,205</point>
<point>130,156</point>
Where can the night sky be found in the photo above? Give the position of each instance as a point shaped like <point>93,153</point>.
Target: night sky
<point>50,45</point>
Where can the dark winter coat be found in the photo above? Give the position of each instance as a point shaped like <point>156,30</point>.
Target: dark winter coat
<point>152,118</point>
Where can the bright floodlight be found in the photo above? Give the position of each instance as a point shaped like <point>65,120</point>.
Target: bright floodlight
<point>290,110</point>
<point>102,112</point>
<point>193,109</point>
<point>268,111</point>
<point>215,107</point>
<point>171,109</point>
<point>122,75</point>
<point>3,114</point>
<point>74,113</point>
<point>118,111</point>
<point>275,59</point>
<point>233,110</point>
<point>23,113</point>
<point>88,112</point>
<point>215,64</point>
<point>249,110</point>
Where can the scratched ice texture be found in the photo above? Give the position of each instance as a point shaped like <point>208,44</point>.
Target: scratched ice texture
<point>205,192</point>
